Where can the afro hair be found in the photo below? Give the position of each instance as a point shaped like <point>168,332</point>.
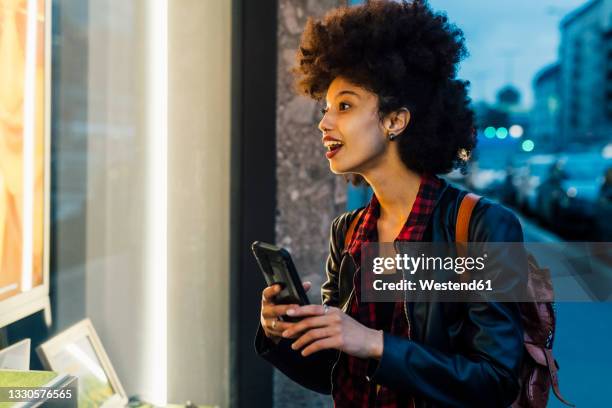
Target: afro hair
<point>407,55</point>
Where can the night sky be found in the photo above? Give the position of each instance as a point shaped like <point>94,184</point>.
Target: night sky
<point>508,41</point>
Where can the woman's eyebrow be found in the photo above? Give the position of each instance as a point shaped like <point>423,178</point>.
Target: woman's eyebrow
<point>346,92</point>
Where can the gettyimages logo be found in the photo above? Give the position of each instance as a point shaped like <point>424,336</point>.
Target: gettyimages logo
<point>412,264</point>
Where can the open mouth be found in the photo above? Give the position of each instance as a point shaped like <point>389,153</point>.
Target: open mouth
<point>333,146</point>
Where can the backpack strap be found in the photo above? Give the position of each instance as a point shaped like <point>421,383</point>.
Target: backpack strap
<point>351,229</point>
<point>554,379</point>
<point>462,227</point>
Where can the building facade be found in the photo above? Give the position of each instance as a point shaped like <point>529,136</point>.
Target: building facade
<point>585,56</point>
<point>544,116</point>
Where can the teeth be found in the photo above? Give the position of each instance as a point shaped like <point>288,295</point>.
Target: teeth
<point>332,144</point>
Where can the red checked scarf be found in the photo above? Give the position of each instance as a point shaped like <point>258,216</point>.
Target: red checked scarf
<point>350,377</point>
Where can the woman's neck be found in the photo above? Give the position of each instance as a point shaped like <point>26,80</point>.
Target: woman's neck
<point>396,190</point>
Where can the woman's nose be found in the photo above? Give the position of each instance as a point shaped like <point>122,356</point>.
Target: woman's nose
<point>325,124</point>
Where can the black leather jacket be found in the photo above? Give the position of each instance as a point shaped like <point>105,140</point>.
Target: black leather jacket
<point>460,354</point>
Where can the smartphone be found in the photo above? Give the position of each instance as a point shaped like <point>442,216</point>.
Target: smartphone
<point>277,268</point>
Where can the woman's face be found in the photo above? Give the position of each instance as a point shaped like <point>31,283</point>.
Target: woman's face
<point>351,117</point>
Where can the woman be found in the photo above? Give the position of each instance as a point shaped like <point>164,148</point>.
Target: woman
<point>395,117</point>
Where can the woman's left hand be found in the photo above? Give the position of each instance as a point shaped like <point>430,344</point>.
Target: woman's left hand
<point>322,329</point>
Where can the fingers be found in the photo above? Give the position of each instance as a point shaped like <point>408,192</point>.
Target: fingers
<point>308,310</point>
<point>269,292</point>
<point>274,326</point>
<point>270,314</point>
<point>271,311</point>
<point>323,344</point>
<point>314,334</point>
<point>309,323</point>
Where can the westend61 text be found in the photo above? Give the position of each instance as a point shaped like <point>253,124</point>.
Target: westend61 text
<point>432,285</point>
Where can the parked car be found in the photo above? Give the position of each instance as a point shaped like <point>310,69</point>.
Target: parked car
<point>516,169</point>
<point>567,198</point>
<point>487,181</point>
<point>603,209</point>
<point>529,178</point>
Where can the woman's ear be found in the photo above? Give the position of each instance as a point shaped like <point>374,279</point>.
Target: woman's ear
<point>396,121</point>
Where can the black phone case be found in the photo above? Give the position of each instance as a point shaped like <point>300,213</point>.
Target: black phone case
<point>277,267</point>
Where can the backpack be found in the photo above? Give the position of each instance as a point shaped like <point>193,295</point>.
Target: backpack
<point>539,367</point>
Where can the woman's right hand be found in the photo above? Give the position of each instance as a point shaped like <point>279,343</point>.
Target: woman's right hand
<point>270,312</point>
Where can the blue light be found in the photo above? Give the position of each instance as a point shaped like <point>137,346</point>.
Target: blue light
<point>528,145</point>
<point>489,132</point>
<point>501,133</point>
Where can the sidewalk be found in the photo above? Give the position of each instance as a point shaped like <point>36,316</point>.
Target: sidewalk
<point>583,332</point>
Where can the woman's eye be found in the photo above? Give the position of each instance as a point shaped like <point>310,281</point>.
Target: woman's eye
<point>344,106</point>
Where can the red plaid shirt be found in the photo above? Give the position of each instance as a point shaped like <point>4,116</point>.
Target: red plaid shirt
<point>351,386</point>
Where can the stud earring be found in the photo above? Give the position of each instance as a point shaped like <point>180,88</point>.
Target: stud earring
<point>392,136</point>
